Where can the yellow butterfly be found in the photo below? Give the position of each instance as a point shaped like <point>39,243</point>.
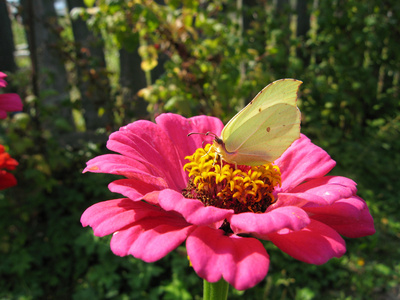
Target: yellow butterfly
<point>264,129</point>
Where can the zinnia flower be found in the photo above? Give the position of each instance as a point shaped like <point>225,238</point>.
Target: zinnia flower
<point>8,102</point>
<point>6,163</point>
<point>175,191</point>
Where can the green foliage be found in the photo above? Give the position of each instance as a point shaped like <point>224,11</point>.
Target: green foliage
<point>215,58</point>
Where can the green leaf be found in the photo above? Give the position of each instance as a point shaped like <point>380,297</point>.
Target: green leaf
<point>149,57</point>
<point>89,3</point>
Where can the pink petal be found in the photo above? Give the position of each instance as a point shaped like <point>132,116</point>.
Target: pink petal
<point>317,192</point>
<point>3,83</point>
<point>152,197</point>
<point>113,163</point>
<point>140,229</point>
<point>134,189</point>
<point>315,244</point>
<point>290,217</point>
<point>151,239</point>
<point>301,162</point>
<point>110,216</point>
<point>192,210</point>
<point>148,143</point>
<point>350,217</point>
<point>10,102</point>
<point>130,152</point>
<point>178,128</point>
<point>122,165</point>
<point>242,262</point>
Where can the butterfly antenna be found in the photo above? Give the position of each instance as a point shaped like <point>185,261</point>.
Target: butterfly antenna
<point>206,133</point>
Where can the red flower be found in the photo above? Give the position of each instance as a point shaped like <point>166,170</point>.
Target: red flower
<point>6,163</point>
<point>221,220</point>
<point>8,102</point>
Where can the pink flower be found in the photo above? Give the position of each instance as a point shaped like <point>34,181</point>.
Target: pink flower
<point>8,102</point>
<point>305,219</point>
<point>7,179</point>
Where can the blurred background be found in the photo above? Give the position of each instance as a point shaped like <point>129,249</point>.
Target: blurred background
<point>83,68</point>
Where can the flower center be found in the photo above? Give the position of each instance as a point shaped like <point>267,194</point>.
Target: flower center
<point>220,184</point>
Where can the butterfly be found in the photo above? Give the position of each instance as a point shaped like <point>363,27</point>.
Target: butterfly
<point>264,129</point>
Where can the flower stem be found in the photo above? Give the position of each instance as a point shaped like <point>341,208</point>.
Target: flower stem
<point>215,291</point>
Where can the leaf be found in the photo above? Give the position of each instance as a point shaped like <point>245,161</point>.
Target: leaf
<point>89,3</point>
<point>149,57</point>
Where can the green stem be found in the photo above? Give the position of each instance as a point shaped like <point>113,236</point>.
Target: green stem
<point>215,291</point>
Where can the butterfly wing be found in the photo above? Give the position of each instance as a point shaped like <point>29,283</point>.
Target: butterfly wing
<point>266,127</point>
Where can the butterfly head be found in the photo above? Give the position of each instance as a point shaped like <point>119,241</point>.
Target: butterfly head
<point>219,147</point>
